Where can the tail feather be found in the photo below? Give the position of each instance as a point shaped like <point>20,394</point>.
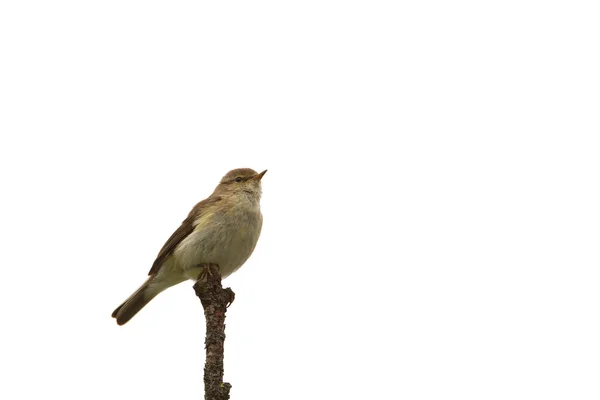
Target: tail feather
<point>134,303</point>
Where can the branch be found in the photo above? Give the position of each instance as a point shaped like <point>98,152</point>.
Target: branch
<point>215,301</point>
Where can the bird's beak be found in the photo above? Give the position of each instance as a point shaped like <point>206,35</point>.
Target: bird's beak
<point>258,177</point>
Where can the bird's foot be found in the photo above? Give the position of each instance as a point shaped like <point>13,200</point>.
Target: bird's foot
<point>231,296</point>
<point>207,270</point>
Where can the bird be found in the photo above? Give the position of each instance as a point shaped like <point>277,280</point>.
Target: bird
<point>222,229</point>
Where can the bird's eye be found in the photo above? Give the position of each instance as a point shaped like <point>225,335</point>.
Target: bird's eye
<point>238,179</point>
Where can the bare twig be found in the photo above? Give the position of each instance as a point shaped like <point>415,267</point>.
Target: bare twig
<point>215,301</point>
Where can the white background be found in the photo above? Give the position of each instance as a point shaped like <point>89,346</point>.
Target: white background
<point>431,208</point>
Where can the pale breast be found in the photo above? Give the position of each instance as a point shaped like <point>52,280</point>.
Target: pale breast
<point>224,238</point>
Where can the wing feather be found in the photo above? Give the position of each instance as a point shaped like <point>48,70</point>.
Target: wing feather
<point>187,227</point>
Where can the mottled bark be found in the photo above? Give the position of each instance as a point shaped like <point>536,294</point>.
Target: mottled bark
<point>215,301</point>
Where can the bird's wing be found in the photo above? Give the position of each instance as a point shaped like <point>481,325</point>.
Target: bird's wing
<point>187,227</point>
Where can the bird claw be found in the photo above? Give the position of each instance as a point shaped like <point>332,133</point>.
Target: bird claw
<point>212,271</point>
<point>230,295</point>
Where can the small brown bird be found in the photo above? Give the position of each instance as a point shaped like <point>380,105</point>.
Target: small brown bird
<point>222,229</point>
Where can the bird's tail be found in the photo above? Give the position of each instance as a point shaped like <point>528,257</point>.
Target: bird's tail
<point>135,302</point>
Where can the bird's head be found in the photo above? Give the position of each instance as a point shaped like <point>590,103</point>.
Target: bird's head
<point>244,181</point>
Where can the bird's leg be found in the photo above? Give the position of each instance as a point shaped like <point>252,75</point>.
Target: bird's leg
<point>203,272</point>
<point>207,270</point>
